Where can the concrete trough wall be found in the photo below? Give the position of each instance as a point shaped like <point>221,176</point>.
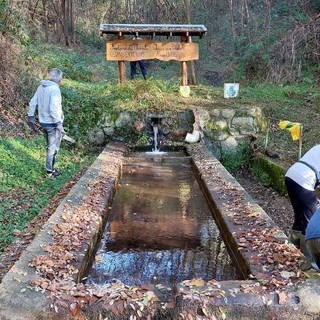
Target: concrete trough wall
<point>241,222</point>
<point>18,299</point>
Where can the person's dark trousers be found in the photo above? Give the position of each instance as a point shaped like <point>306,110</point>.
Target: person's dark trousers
<point>304,204</point>
<point>142,65</point>
<point>133,68</point>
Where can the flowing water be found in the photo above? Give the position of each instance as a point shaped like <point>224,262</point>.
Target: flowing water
<point>160,228</point>
<point>155,139</point>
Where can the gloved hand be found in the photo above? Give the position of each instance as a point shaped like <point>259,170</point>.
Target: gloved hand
<point>31,122</point>
<point>60,128</point>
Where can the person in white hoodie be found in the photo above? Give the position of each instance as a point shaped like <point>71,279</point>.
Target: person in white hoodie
<point>48,100</point>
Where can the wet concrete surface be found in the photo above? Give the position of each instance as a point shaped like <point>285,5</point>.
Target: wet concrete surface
<point>160,228</point>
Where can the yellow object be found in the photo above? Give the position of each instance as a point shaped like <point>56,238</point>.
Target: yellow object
<point>293,127</point>
<point>185,91</point>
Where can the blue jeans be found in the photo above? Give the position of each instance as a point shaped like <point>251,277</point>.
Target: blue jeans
<point>53,137</point>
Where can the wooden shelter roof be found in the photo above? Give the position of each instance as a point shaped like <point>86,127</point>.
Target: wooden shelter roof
<point>153,29</point>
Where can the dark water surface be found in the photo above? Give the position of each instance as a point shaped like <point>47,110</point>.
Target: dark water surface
<point>160,228</point>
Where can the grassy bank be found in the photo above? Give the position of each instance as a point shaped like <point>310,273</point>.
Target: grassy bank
<point>24,188</point>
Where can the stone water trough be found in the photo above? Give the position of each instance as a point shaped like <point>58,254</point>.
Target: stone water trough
<point>46,282</point>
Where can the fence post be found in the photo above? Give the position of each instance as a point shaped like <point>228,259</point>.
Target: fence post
<point>267,134</point>
<point>300,141</point>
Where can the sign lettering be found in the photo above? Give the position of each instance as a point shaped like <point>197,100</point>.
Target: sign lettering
<point>133,50</point>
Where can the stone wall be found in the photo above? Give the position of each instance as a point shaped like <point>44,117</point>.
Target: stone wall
<point>136,128</point>
<point>225,128</point>
<point>222,128</point>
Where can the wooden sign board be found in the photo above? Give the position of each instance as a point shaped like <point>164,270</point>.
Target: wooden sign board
<point>133,50</point>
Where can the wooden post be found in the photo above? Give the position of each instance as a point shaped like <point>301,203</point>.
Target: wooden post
<point>184,67</point>
<point>184,73</point>
<point>267,135</point>
<point>121,65</point>
<point>192,66</point>
<point>300,142</point>
<point>122,76</point>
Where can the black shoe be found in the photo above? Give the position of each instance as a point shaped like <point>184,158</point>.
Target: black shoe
<point>53,174</point>
<point>295,237</point>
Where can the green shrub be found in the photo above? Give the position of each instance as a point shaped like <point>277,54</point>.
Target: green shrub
<point>234,159</point>
<point>262,175</point>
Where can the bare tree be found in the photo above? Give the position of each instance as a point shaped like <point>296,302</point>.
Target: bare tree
<point>187,7</point>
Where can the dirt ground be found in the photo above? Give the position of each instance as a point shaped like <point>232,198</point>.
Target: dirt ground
<point>276,206</point>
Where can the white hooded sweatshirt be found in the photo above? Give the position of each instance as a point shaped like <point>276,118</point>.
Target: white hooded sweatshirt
<point>48,99</point>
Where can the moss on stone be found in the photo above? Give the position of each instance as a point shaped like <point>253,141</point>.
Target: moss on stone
<point>275,172</point>
<point>215,128</point>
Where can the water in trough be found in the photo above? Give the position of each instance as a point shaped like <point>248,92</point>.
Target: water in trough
<point>160,228</point>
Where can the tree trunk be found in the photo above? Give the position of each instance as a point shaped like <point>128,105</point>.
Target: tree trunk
<point>233,26</point>
<point>187,6</point>
<point>45,20</point>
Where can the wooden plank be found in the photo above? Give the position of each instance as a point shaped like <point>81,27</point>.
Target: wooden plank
<point>134,50</point>
<point>154,29</point>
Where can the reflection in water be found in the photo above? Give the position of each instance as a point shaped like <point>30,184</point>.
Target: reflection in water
<point>160,229</point>
<point>184,197</point>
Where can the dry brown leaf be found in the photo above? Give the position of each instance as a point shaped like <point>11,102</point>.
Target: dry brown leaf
<point>194,282</point>
<point>75,309</point>
<point>214,283</point>
<point>283,297</point>
<point>44,285</point>
<point>254,214</point>
<point>190,316</point>
<point>205,312</point>
<point>52,287</point>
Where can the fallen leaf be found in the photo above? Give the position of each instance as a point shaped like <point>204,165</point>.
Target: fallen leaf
<point>75,309</point>
<point>283,297</point>
<point>205,312</point>
<point>17,279</point>
<point>194,282</point>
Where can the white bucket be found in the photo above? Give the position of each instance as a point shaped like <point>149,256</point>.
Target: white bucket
<point>192,138</point>
<point>231,90</point>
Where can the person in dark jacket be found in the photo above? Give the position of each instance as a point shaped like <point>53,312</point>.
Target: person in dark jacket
<point>48,100</point>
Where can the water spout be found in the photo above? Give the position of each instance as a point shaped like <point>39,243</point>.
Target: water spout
<point>155,139</point>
